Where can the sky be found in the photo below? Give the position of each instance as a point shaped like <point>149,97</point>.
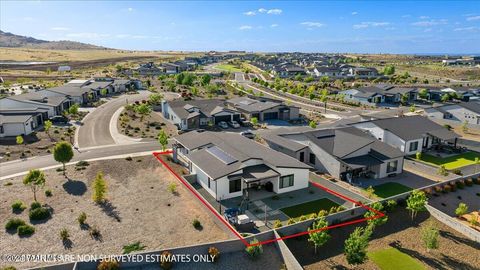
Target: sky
<point>270,26</point>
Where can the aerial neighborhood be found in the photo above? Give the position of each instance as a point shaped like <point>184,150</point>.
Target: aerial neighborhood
<point>204,150</point>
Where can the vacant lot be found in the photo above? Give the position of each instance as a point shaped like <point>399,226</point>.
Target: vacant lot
<point>228,67</point>
<point>140,209</point>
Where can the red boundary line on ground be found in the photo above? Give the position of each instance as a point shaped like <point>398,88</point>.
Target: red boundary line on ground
<point>229,226</point>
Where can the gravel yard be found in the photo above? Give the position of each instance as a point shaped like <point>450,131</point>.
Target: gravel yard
<point>140,209</point>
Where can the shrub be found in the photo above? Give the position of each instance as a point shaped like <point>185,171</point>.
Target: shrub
<point>214,253</point>
<point>390,205</point>
<point>48,193</point>
<point>82,218</point>
<point>277,224</point>
<point>291,221</point>
<point>477,180</point>
<point>64,235</point>
<point>428,191</point>
<point>108,265</point>
<point>25,230</point>
<point>460,184</point>
<point>438,189</point>
<point>165,260</point>
<point>137,246</point>
<point>9,268</point>
<point>447,188</point>
<point>39,213</point>
<point>453,186</point>
<point>313,216</point>
<point>14,223</point>
<point>172,188</point>
<point>94,232</point>
<point>457,172</point>
<point>128,158</point>
<point>255,249</point>
<point>18,206</point>
<point>302,218</point>
<point>82,163</point>
<point>196,224</point>
<point>35,205</point>
<point>333,210</point>
<point>469,182</point>
<point>322,213</point>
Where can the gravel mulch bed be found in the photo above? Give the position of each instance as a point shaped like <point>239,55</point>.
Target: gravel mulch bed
<point>140,209</point>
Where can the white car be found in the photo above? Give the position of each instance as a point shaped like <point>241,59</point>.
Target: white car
<point>248,134</point>
<point>223,124</point>
<point>234,124</point>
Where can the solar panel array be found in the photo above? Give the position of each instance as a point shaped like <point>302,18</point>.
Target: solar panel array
<point>221,155</point>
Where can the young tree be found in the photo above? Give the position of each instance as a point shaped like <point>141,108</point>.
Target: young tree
<point>465,126</point>
<point>254,121</point>
<point>416,202</point>
<point>320,237</point>
<point>356,245</point>
<point>423,93</point>
<point>476,162</point>
<point>412,108</point>
<point>430,236</point>
<point>442,170</point>
<point>163,139</point>
<point>461,210</point>
<point>445,98</point>
<point>418,155</point>
<point>143,110</point>
<point>47,125</point>
<point>99,188</point>
<point>206,79</point>
<point>36,180</point>
<point>389,70</point>
<point>312,124</point>
<point>63,152</point>
<point>155,99</point>
<point>404,98</point>
<point>19,139</point>
<point>73,110</point>
<point>104,92</point>
<point>324,98</point>
<point>375,221</point>
<point>370,192</point>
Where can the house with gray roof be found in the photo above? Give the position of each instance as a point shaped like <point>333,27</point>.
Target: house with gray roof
<point>194,114</point>
<point>409,134</point>
<point>54,105</point>
<point>458,113</point>
<point>380,93</point>
<point>345,152</point>
<point>22,121</point>
<point>229,165</point>
<point>264,109</point>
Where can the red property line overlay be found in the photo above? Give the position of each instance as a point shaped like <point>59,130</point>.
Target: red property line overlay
<point>229,226</point>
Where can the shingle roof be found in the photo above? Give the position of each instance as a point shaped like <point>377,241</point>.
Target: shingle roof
<point>251,105</point>
<point>6,119</point>
<point>473,106</point>
<point>40,97</point>
<point>207,107</point>
<point>235,146</point>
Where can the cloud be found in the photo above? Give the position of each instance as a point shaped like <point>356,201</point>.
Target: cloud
<point>59,28</point>
<point>313,24</point>
<point>275,11</point>
<point>130,9</point>
<point>87,35</point>
<point>249,13</point>
<point>354,13</point>
<point>424,17</point>
<point>363,25</point>
<point>274,25</point>
<point>473,18</point>
<point>262,10</point>
<point>430,23</point>
<point>469,29</point>
<point>406,16</point>
<point>245,27</point>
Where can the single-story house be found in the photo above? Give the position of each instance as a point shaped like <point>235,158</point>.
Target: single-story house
<point>14,122</point>
<point>410,134</point>
<point>460,112</point>
<point>194,114</point>
<point>264,109</point>
<point>321,71</point>
<point>54,105</point>
<point>345,152</point>
<point>229,165</point>
<point>363,72</point>
<point>380,93</point>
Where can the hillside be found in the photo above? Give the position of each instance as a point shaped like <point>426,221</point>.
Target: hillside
<point>16,41</point>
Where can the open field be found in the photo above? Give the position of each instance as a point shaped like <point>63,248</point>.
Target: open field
<point>228,67</point>
<point>452,162</point>
<point>139,208</point>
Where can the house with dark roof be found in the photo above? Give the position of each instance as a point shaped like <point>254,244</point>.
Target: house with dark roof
<point>22,121</point>
<point>54,105</point>
<point>287,70</point>
<point>460,112</point>
<point>409,134</point>
<point>380,93</point>
<point>229,165</point>
<point>363,72</point>
<point>194,114</point>
<point>264,109</point>
<point>345,153</point>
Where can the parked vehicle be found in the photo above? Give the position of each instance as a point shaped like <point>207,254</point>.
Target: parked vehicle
<point>223,124</point>
<point>59,119</point>
<point>234,124</point>
<point>248,134</point>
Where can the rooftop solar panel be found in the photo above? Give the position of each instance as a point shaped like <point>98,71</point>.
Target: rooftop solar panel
<point>221,155</point>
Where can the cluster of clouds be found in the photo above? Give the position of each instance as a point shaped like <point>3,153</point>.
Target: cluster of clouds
<point>363,25</point>
<point>273,11</point>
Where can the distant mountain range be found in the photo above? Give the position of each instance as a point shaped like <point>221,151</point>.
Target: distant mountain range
<point>16,41</point>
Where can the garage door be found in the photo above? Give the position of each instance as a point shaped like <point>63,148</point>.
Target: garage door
<point>236,117</point>
<point>270,115</point>
<point>221,118</point>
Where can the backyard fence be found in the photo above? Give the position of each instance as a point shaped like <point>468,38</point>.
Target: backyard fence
<point>454,224</point>
<point>289,259</point>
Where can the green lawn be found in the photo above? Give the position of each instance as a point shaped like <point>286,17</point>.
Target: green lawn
<point>390,189</point>
<point>453,162</point>
<point>308,208</point>
<point>393,259</point>
<point>229,68</point>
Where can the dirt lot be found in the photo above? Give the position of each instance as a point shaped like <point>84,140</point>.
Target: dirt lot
<point>35,145</point>
<point>140,209</point>
<point>455,251</point>
<point>129,124</point>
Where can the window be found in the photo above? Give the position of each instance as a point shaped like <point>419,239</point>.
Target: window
<point>413,146</point>
<point>209,182</point>
<point>302,156</point>
<point>312,158</point>
<point>1,130</point>
<point>286,181</point>
<point>235,185</point>
<point>392,166</point>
